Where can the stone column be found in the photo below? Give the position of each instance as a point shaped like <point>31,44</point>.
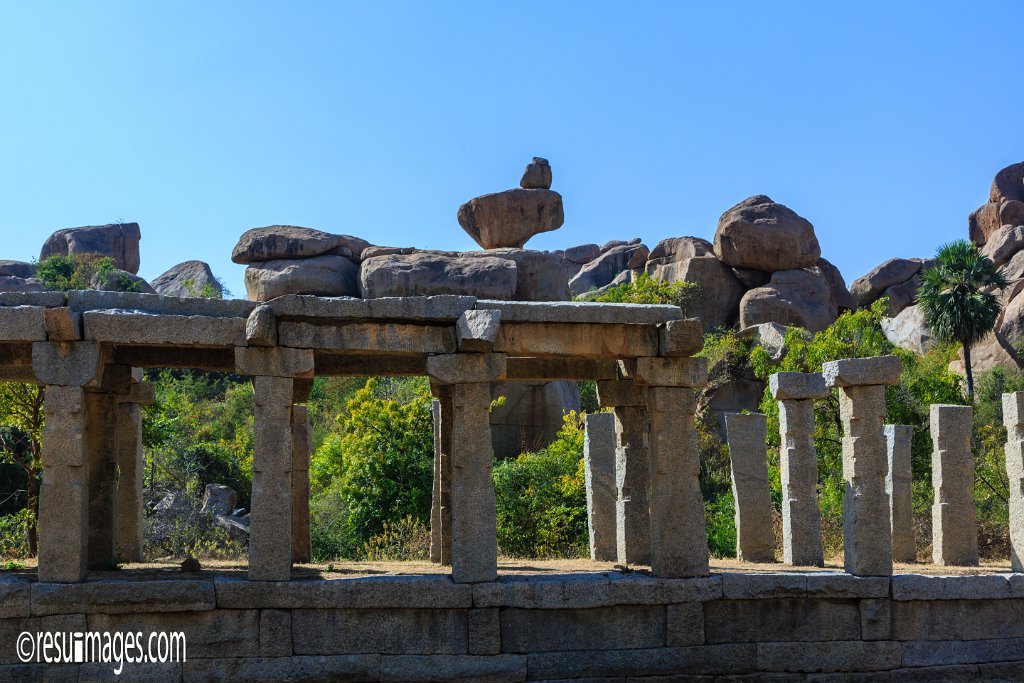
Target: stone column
<point>954,525</point>
<point>1013,418</point>
<point>65,369</point>
<point>441,503</point>
<point>748,458</point>
<point>273,371</point>
<point>899,439</point>
<point>128,503</point>
<point>679,545</point>
<point>632,469</point>
<point>798,462</point>
<point>302,445</point>
<point>867,536</point>
<point>474,541</point>
<point>599,468</point>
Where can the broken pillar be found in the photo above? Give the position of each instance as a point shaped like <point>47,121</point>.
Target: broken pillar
<point>899,440</point>
<point>599,468</point>
<point>954,524</point>
<point>302,446</point>
<point>128,502</point>
<point>1013,418</point>
<point>441,500</point>
<point>748,458</point>
<point>867,535</point>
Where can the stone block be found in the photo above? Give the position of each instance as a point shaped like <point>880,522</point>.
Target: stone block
<point>261,327</point>
<point>140,393</point>
<point>368,592</point>
<point>63,529</point>
<point>275,633</point>
<point>274,362</point>
<point>798,464</point>
<point>828,656</point>
<point>75,364</point>
<point>337,669</point>
<point>116,597</point>
<point>442,668</point>
<point>1003,672</point>
<point>582,312</point>
<point>136,327</point>
<point>474,516</point>
<point>841,585</point>
<point>467,368</point>
<point>484,631</point>
<point>581,591</point>
<point>852,372</point>
<point>45,299</point>
<point>22,323</point>
<point>577,340</point>
<point>616,393</point>
<point>680,338</point>
<point>781,619</point>
<point>748,459</point>
<point>368,336</point>
<point>954,522</point>
<point>875,619</point>
<point>922,587</point>
<point>384,631</point>
<point>697,660</point>
<point>737,586</point>
<point>797,386</point>
<point>684,624</point>
<point>93,300</point>
<point>1013,418</point>
<point>948,652</point>
<point>672,372</point>
<point>62,324</point>
<point>599,469</point>
<point>899,440</point>
<point>600,628</point>
<point>546,369</point>
<point>443,308</point>
<point>11,628</point>
<point>476,331</point>
<point>15,597</point>
<point>957,619</point>
<point>214,633</point>
<point>150,672</point>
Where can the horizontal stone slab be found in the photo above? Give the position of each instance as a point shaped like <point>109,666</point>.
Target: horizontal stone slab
<point>413,308</point>
<point>340,364</point>
<point>739,586</point>
<point>157,304</point>
<point>580,340</point>
<point>797,386</point>
<point>957,619</point>
<point>830,656</point>
<point>921,587</point>
<point>698,660</point>
<point>560,368</point>
<point>186,595</point>
<point>382,631</point>
<point>363,592</point>
<point>851,372</point>
<point>44,299</point>
<point>15,597</point>
<point>598,628</point>
<point>582,312</point>
<point>50,673</point>
<point>340,668</point>
<point>436,668</point>
<point>593,590</point>
<point>368,336</point>
<point>133,327</point>
<point>947,652</point>
<point>208,634</point>
<point>781,619</point>
<point>11,628</point>
<point>22,323</point>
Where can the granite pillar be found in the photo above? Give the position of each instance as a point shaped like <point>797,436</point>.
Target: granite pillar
<point>1013,418</point>
<point>599,468</point>
<point>954,522</point>
<point>748,457</point>
<point>899,440</point>
<point>302,446</point>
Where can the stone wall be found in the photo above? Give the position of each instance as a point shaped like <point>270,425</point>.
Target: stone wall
<point>599,627</point>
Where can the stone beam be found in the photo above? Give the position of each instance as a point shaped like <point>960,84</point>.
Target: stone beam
<point>580,340</point>
<point>551,369</point>
<point>274,362</point>
<point>22,323</point>
<point>374,365</point>
<point>132,327</point>
<point>954,525</point>
<point>467,368</point>
<point>680,337</point>
<point>369,337</point>
<point>197,358</point>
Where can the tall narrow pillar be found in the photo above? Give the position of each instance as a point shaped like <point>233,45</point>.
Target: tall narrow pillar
<point>867,535</point>
<point>435,492</point>
<point>273,371</point>
<point>679,544</point>
<point>128,502</point>
<point>65,370</point>
<point>1013,418</point>
<point>798,462</point>
<point>474,544</point>
<point>302,446</point>
<point>599,471</point>
<point>954,524</point>
<point>899,440</point>
<point>441,503</point>
<point>632,469</point>
<point>748,458</point>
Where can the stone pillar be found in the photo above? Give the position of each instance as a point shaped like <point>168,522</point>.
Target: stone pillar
<point>273,371</point>
<point>679,545</point>
<point>798,463</point>
<point>474,544</point>
<point>302,445</point>
<point>954,525</point>
<point>899,439</point>
<point>632,469</point>
<point>435,492</point>
<point>1013,418</point>
<point>128,503</point>
<point>441,503</point>
<point>599,468</point>
<point>65,369</point>
<point>867,536</point>
<point>748,457</point>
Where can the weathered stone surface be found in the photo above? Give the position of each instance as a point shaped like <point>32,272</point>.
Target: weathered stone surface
<point>420,308</point>
<point>892,272</point>
<point>385,631</point>
<point>458,668</point>
<point>275,633</point>
<point>116,597</point>
<point>771,337</point>
<point>1011,212</point>
<point>663,260</point>
<point>899,440</point>
<point>427,274</point>
<point>797,386</point>
<point>748,459</point>
<point>302,447</point>
<point>921,587</point>
<point>582,312</point>
<point>11,628</point>
<point>1013,419</point>
<point>852,372</point>
<point>982,222</point>
<point>909,330</point>
<point>368,592</point>
<point>751,278</point>
<point>371,337</point>
<point>133,327</point>
<point>21,269</point>
<point>930,653</point>
<point>582,254</point>
<point>957,619</point>
<point>188,279</point>
<point>537,175</point>
<point>672,372</point>
<point>336,669</point>
<point>18,285</point>
<point>274,362</point>
<point>211,633</point>
<point>47,299</point>
<point>781,620</point>
<point>276,242</point>
<point>75,364</point>
<point>261,327</point>
<point>1008,184</point>
<point>581,340</point>
<point>632,481</point>
<point>599,469</point>
<point>954,525</point>
<point>583,591</point>
<point>903,295</point>
<point>704,659</point>
<point>841,296</point>
<point>801,518</point>
<point>326,275</point>
<point>539,274</point>
<point>1003,243</point>
<point>474,521</point>
<point>477,330</point>
<point>721,292</point>
<point>22,323</point>
<point>15,597</point>
<point>680,338</point>
<point>602,270</point>
<point>761,234</point>
<point>484,631</point>
<point>467,368</point>
<point>828,656</point>
<point>62,324</point>
<point>793,297</point>
<point>119,241</point>
<point>87,300</point>
<point>512,217</point>
<point>600,628</point>
<point>684,624</point>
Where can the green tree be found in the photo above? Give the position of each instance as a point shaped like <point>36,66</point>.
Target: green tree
<point>957,298</point>
<point>21,433</point>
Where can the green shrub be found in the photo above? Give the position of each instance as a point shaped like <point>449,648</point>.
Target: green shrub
<point>646,290</point>
<point>76,271</point>
<point>406,539</point>
<point>720,516</point>
<point>328,526</point>
<point>14,534</point>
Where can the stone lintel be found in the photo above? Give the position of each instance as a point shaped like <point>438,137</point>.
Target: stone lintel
<point>581,340</point>
<point>549,369</point>
<point>62,324</point>
<point>212,360</point>
<point>680,337</point>
<point>374,337</point>
<point>274,362</point>
<point>797,386</point>
<point>72,364</point>
<point>261,327</point>
<point>852,372</point>
<point>373,365</point>
<point>142,393</point>
<point>672,372</point>
<point>134,327</point>
<point>22,323</point>
<point>620,393</point>
<point>476,331</point>
<point>467,368</point>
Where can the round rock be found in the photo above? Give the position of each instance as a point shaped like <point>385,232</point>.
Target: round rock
<point>761,234</point>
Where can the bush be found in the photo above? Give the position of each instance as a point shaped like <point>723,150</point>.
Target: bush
<point>720,516</point>
<point>328,522</point>
<point>646,290</point>
<point>14,534</point>
<point>406,539</point>
<point>76,271</point>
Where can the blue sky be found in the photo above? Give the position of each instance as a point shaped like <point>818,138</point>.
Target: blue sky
<point>882,123</point>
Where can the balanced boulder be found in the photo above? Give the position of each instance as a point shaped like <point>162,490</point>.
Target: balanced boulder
<point>761,234</point>
<point>188,279</point>
<point>276,242</point>
<point>537,175</point>
<point>1005,205</point>
<point>119,241</point>
<point>510,218</point>
<point>798,298</point>
<point>428,273</point>
<point>326,275</point>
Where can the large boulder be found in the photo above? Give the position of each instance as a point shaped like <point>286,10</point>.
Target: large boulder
<point>512,217</point>
<point>909,330</point>
<point>429,273</point>
<point>582,253</point>
<point>531,415</point>
<point>1004,243</point>
<point>983,222</point>
<point>868,288</point>
<point>841,296</point>
<point>191,278</point>
<point>326,275</point>
<point>119,241</point>
<point>798,298</point>
<point>219,499</point>
<point>602,270</point>
<point>667,253</point>
<point>17,269</point>
<point>720,290</point>
<point>276,242</point>
<point>540,275</point>
<point>903,295</point>
<point>761,234</point>
<point>11,283</point>
<point>1008,184</point>
<point>537,175</point>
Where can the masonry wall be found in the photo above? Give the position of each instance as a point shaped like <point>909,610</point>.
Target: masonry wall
<point>600,627</point>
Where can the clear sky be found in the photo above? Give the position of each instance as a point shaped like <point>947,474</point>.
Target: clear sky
<point>881,122</point>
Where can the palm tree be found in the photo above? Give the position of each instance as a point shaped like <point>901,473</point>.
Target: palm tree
<point>958,300</point>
